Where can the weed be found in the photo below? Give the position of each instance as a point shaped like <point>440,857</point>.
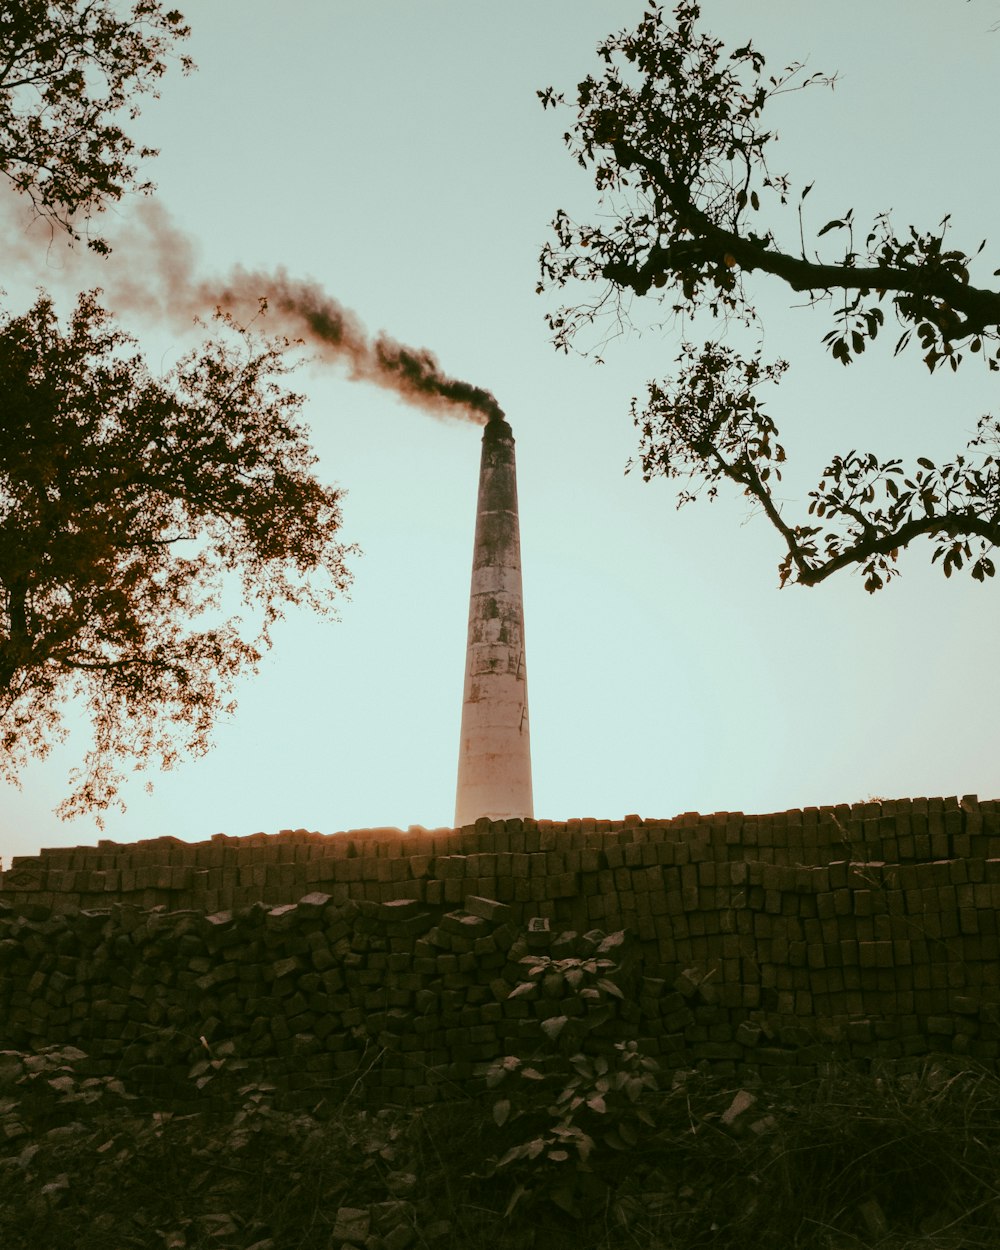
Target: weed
<point>568,1109</point>
<point>898,1161</point>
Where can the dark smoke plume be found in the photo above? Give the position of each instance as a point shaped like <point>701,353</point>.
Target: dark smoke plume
<point>303,309</point>
<point>153,272</point>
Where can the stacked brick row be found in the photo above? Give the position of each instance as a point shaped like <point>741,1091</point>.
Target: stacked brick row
<point>311,994</point>
<point>436,868</point>
<point>746,969</point>
<point>315,996</point>
<point>536,866</point>
<point>759,943</point>
<point>898,960</point>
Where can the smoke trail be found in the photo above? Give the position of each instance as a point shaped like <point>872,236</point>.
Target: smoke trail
<point>153,272</point>
<point>304,309</point>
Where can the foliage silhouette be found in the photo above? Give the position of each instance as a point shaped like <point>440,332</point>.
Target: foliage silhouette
<point>565,1110</point>
<point>129,507</point>
<point>70,73</point>
<point>673,130</point>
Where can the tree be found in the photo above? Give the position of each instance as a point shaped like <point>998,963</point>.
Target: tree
<point>673,129</point>
<point>131,510</point>
<point>70,71</point>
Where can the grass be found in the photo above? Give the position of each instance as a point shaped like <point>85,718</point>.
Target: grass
<point>904,1161</point>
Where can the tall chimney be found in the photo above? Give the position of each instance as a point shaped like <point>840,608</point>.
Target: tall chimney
<point>494,758</point>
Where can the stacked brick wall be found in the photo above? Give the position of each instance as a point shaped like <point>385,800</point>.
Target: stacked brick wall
<point>541,867</point>
<point>756,945</point>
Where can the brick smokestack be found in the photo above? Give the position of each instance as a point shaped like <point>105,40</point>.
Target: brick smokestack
<point>494,758</point>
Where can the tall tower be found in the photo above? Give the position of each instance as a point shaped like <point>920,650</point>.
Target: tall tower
<point>494,757</point>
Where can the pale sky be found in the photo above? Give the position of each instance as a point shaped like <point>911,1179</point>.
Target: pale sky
<point>397,154</point>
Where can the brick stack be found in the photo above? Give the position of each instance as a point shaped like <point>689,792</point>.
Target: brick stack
<point>760,944</point>
<point>310,995</point>
<point>523,862</point>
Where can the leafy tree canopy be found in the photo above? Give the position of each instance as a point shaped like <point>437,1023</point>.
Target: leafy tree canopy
<point>673,129</point>
<point>132,510</point>
<point>69,75</point>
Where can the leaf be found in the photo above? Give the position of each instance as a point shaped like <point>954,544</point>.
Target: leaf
<point>609,987</point>
<point>563,1198</point>
<point>501,1112</point>
<point>559,1156</point>
<point>836,224</point>
<point>515,1198</point>
<point>634,1087</point>
<point>522,987</point>
<point>513,1154</point>
<point>754,200</point>
<point>597,1104</point>
<point>553,1026</point>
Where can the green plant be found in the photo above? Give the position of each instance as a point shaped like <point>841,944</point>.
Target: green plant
<point>569,1106</point>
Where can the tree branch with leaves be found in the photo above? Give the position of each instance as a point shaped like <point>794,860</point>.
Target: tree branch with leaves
<point>134,511</point>
<point>70,75</point>
<point>674,132</point>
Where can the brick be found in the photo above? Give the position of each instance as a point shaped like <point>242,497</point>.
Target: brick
<point>487,909</point>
